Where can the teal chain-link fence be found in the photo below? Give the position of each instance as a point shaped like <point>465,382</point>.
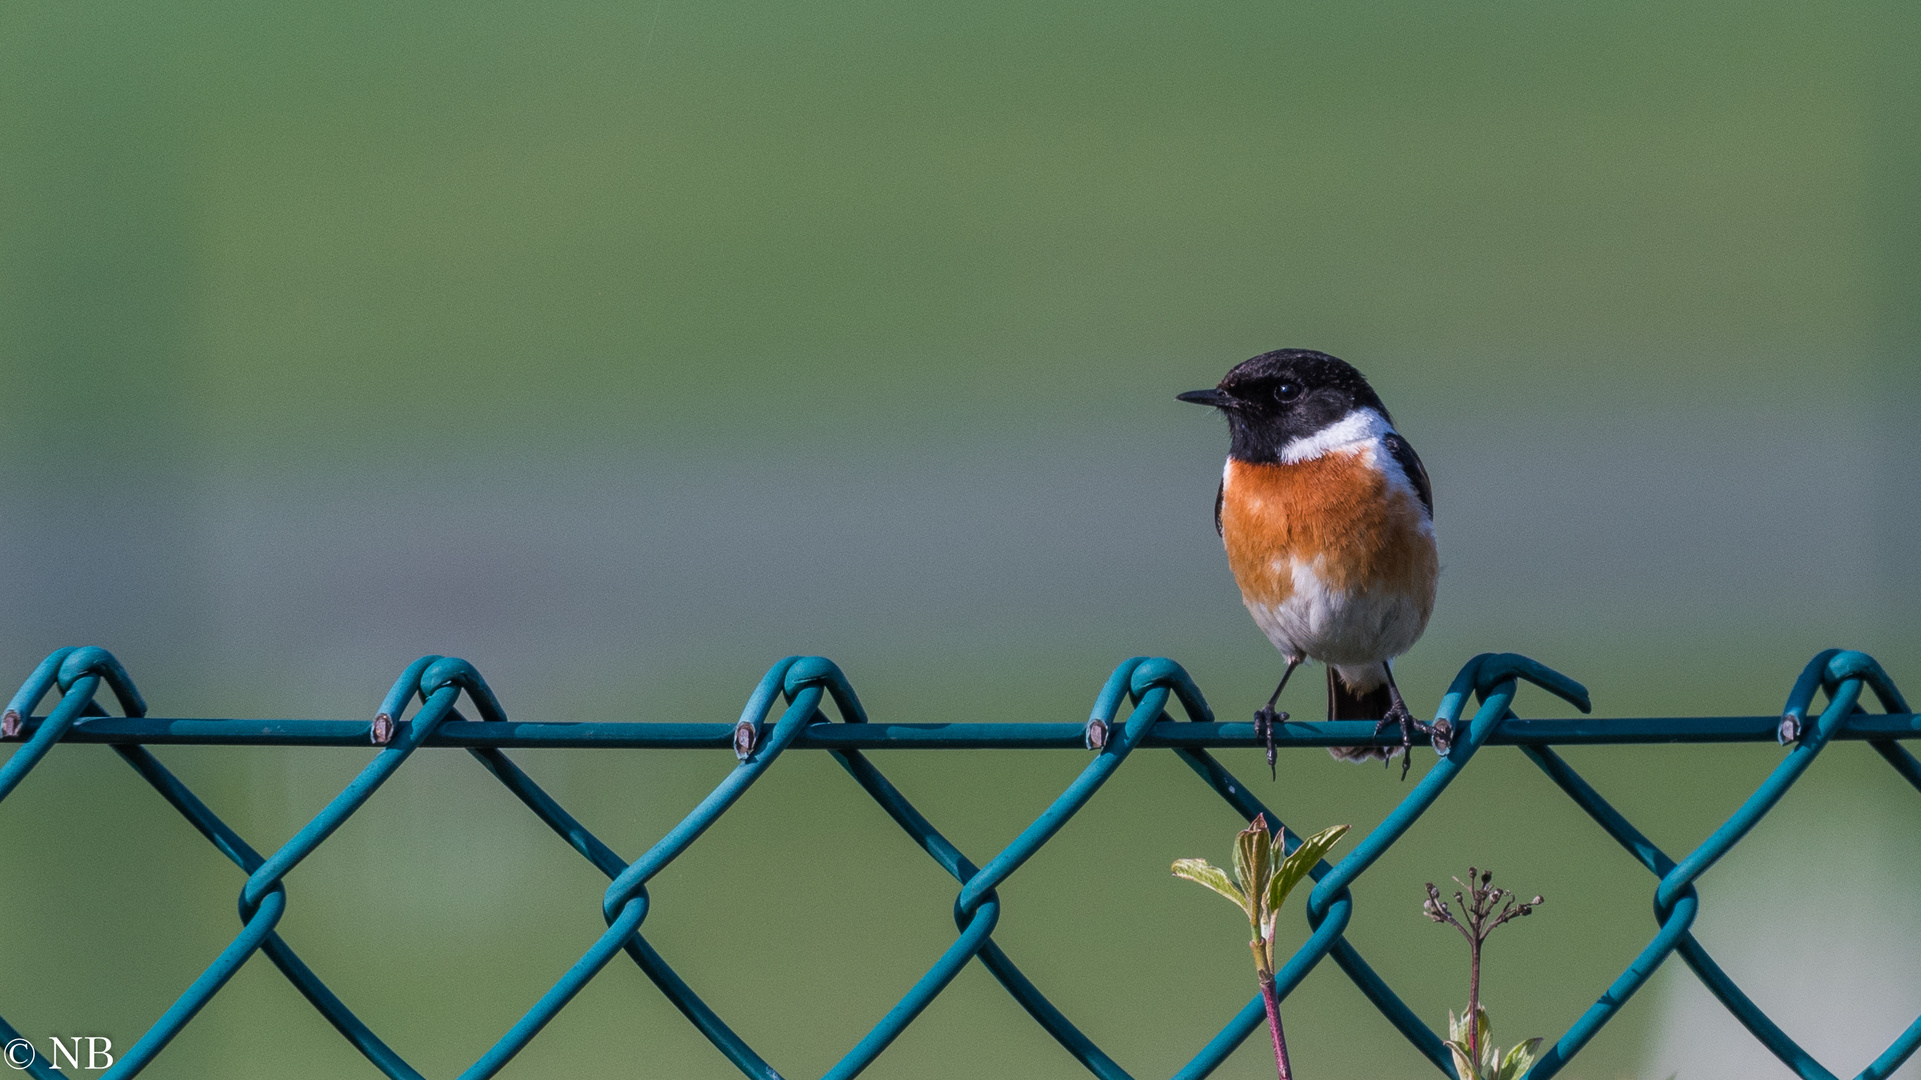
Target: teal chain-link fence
<point>1150,686</point>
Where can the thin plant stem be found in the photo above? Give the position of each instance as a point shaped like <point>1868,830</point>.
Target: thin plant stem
<point>1273,1003</point>
<point>1474,1000</point>
<point>1264,970</point>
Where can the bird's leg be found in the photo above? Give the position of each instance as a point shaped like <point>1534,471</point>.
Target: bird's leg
<point>1397,714</point>
<point>1265,717</point>
<point>1440,732</point>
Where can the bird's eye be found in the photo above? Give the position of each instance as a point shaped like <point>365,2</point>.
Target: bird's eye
<point>1287,392</point>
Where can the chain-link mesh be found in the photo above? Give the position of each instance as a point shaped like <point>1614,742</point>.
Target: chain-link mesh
<point>1148,685</point>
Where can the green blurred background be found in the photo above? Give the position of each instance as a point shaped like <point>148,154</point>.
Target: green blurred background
<point>625,348</point>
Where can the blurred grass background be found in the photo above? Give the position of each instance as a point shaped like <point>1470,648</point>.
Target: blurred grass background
<point>623,349</point>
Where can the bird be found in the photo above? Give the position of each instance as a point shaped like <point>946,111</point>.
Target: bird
<point>1327,515</point>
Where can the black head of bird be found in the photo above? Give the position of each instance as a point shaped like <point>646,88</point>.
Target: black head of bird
<point>1279,397</point>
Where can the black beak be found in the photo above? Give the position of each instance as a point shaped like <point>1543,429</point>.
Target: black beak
<point>1215,398</point>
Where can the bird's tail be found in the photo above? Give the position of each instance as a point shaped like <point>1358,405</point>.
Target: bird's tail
<point>1344,703</point>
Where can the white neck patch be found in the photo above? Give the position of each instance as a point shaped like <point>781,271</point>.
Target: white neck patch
<point>1350,432</point>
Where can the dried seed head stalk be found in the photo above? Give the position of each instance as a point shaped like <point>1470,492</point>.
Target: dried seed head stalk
<point>1483,908</point>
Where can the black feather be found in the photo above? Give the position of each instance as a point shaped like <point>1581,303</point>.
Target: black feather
<point>1345,704</point>
<point>1410,463</point>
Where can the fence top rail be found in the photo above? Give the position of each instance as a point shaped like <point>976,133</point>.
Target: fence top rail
<point>822,735</point>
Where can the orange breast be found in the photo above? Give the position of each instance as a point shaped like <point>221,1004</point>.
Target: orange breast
<point>1336,512</point>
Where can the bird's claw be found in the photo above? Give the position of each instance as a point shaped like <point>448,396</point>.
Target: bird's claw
<point>1440,733</point>
<point>1264,720</point>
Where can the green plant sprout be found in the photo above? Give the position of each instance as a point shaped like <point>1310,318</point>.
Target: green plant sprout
<point>1266,873</point>
<point>1485,908</point>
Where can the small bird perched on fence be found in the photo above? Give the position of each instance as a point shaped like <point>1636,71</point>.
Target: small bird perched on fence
<point>1328,520</point>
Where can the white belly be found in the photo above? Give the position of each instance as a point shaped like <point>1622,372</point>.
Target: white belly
<point>1342,628</point>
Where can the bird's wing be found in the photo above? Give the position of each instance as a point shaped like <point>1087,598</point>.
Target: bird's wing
<point>1220,493</point>
<point>1410,463</point>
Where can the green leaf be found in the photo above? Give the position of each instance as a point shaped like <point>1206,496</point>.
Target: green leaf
<point>1254,863</point>
<point>1520,1059</point>
<point>1296,866</point>
<point>1201,872</point>
<point>1463,1066</point>
<point>1457,1042</point>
